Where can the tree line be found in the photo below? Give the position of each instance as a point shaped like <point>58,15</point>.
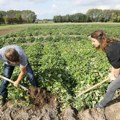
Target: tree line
<point>28,16</point>
<point>92,15</point>
<point>17,17</point>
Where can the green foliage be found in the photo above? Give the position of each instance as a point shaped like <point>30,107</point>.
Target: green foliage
<point>63,61</point>
<point>17,17</point>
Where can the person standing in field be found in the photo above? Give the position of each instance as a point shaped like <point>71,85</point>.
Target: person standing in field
<point>12,56</point>
<point>111,47</point>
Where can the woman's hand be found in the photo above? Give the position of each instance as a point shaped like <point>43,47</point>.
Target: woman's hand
<point>114,73</point>
<point>111,77</point>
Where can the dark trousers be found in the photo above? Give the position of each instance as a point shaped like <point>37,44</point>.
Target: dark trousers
<point>8,70</point>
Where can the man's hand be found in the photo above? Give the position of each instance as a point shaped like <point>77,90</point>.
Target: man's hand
<point>20,77</point>
<point>16,83</point>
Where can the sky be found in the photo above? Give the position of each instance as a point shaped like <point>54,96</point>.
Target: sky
<point>46,9</point>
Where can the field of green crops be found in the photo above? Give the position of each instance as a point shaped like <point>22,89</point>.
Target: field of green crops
<point>63,60</point>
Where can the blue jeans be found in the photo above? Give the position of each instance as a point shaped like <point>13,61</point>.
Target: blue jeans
<point>8,70</point>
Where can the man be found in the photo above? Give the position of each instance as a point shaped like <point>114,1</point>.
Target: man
<point>12,56</point>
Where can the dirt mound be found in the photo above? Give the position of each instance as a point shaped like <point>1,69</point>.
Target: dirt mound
<point>47,107</point>
<point>26,113</point>
<point>41,97</point>
<point>46,113</point>
<point>111,112</point>
<point>49,112</point>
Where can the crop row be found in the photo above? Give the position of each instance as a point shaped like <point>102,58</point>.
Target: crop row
<point>64,60</point>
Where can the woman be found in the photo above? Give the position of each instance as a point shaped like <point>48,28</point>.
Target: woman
<point>112,49</point>
<point>14,56</point>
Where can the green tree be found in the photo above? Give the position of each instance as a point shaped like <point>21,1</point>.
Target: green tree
<point>2,14</point>
<point>18,18</point>
<point>28,16</point>
<point>115,16</point>
<point>57,18</point>
<point>94,14</point>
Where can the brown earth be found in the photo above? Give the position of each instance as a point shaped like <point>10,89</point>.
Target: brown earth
<point>111,112</point>
<point>47,107</point>
<point>6,31</point>
<point>41,97</point>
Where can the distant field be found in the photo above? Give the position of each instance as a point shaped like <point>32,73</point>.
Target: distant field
<point>4,29</point>
<point>62,58</point>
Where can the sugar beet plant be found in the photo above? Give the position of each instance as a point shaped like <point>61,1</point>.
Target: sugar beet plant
<point>63,61</point>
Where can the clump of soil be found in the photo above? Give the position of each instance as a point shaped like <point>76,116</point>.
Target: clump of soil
<point>46,107</point>
<point>41,97</point>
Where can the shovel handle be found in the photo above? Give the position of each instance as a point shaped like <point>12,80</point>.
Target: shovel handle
<point>9,80</point>
<point>93,87</point>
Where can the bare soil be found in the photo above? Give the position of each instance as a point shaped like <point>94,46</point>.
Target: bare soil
<point>47,107</point>
<point>6,31</point>
<point>41,97</point>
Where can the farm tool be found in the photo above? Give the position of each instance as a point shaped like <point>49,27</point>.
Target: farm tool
<point>2,77</point>
<point>92,87</point>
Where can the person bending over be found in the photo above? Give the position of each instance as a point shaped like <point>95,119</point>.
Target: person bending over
<point>111,47</point>
<point>12,56</point>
